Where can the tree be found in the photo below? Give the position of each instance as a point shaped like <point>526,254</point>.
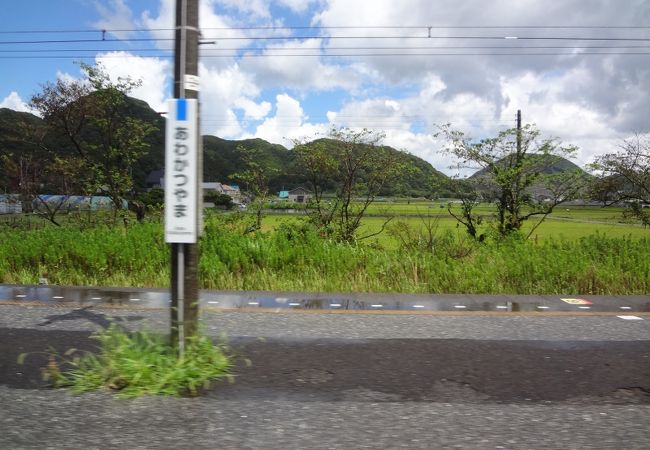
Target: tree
<point>515,175</point>
<point>625,176</point>
<point>356,167</point>
<point>219,199</point>
<point>91,132</point>
<point>255,178</point>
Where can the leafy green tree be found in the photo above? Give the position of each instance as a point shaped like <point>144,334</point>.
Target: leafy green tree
<point>515,175</point>
<point>219,199</point>
<point>255,179</point>
<point>91,131</point>
<point>625,176</point>
<point>357,167</point>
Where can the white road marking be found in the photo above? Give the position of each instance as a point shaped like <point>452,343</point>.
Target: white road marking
<point>21,296</point>
<point>502,307</point>
<point>57,297</point>
<point>376,306</point>
<point>418,306</point>
<point>630,317</point>
<point>253,303</point>
<point>625,307</point>
<point>543,307</point>
<point>335,305</point>
<point>213,303</point>
<point>584,307</point>
<point>95,298</point>
<point>460,306</point>
<point>134,299</point>
<point>294,304</point>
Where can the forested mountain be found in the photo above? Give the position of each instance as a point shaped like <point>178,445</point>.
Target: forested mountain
<point>20,135</point>
<point>546,164</point>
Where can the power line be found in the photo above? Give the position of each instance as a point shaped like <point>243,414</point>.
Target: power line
<point>326,55</point>
<point>71,41</point>
<point>273,38</point>
<point>435,47</point>
<point>339,27</point>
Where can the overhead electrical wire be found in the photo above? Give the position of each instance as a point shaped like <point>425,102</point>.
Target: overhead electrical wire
<point>252,51</point>
<point>325,55</point>
<point>340,27</point>
<point>285,38</point>
<point>436,47</point>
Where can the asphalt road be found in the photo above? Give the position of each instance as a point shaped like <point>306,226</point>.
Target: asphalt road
<point>339,381</point>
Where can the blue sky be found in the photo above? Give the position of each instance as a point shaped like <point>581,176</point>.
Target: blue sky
<point>395,79</point>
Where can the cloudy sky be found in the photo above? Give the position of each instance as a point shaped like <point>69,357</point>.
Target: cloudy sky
<point>290,69</point>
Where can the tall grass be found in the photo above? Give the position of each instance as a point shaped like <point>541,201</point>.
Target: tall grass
<point>116,256</point>
<point>295,258</point>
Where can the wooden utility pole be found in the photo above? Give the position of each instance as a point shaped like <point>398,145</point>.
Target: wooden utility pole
<point>184,273</point>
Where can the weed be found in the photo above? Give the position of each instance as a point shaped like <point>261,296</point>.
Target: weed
<point>138,363</point>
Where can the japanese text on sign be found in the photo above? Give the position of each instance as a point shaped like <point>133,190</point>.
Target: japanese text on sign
<point>181,185</point>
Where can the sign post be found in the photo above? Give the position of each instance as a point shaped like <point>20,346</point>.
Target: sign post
<point>183,172</point>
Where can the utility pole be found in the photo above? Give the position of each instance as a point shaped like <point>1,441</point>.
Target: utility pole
<point>184,270</point>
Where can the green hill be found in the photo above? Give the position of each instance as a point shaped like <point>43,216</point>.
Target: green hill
<point>546,164</point>
<point>220,160</point>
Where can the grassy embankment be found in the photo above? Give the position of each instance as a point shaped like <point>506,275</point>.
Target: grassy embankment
<point>572,257</point>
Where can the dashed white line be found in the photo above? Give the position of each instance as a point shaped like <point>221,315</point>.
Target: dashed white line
<point>418,306</point>
<point>460,306</point>
<point>335,305</point>
<point>543,307</point>
<point>253,303</point>
<point>376,306</point>
<point>57,297</point>
<point>213,303</point>
<point>625,307</point>
<point>21,296</point>
<point>95,298</point>
<point>134,299</point>
<point>502,307</point>
<point>584,307</point>
<point>294,304</point>
<point>630,317</point>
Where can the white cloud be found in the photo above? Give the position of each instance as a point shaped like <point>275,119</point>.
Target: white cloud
<point>155,74</point>
<point>114,16</point>
<point>13,101</point>
<point>223,91</point>
<point>252,110</point>
<point>279,69</point>
<point>289,123</point>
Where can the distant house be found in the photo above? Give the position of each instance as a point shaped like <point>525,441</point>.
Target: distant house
<point>299,195</point>
<point>231,190</point>
<point>157,179</point>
